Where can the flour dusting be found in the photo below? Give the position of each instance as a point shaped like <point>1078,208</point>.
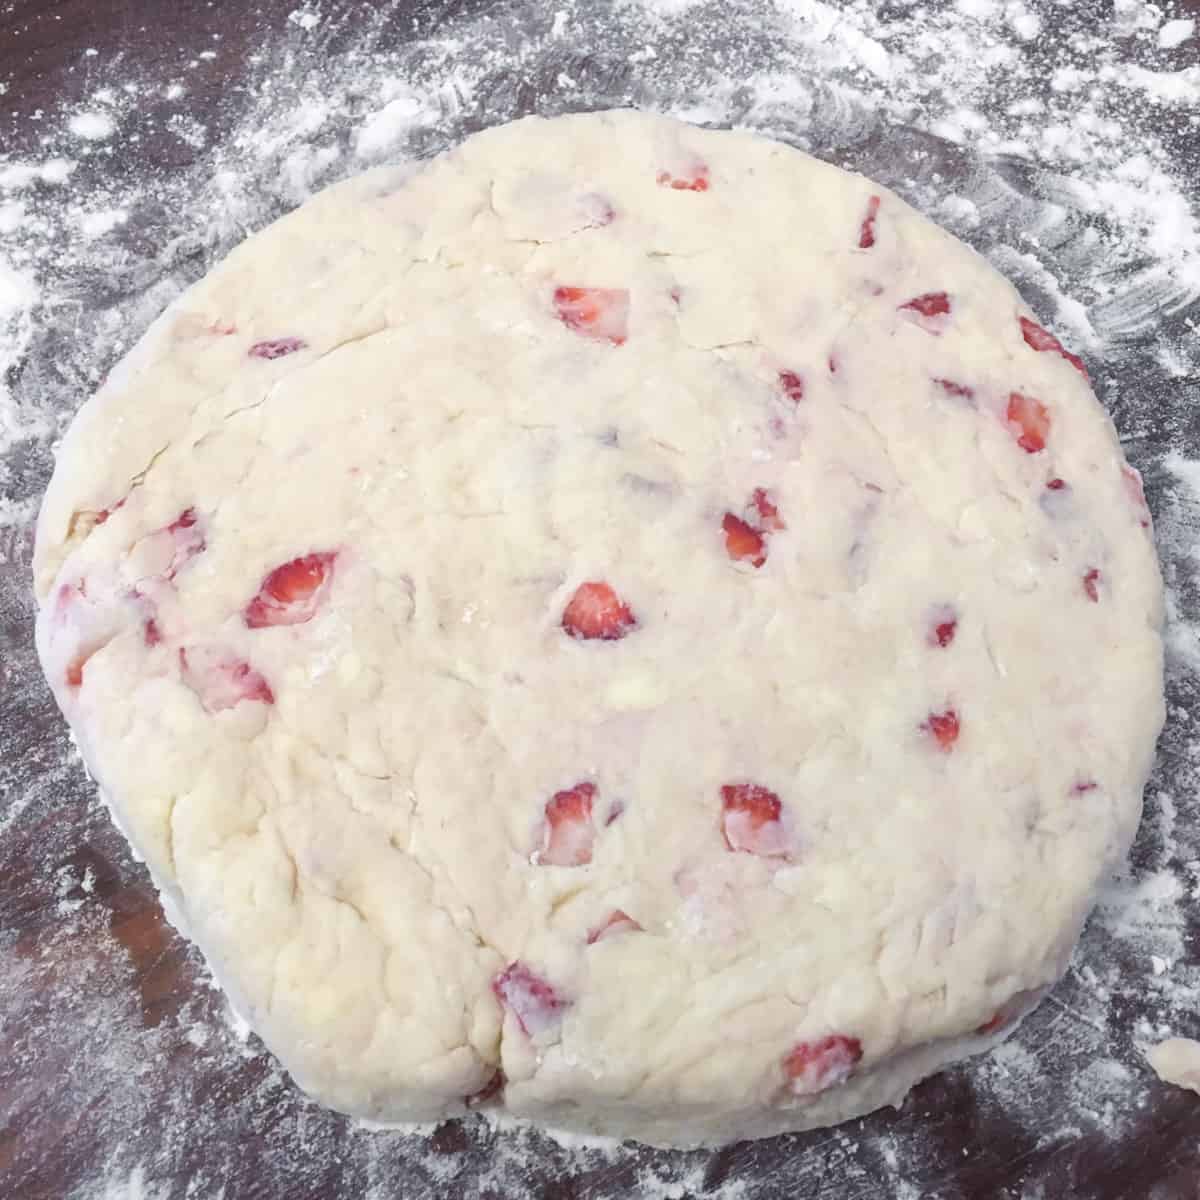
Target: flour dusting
<point>1058,139</point>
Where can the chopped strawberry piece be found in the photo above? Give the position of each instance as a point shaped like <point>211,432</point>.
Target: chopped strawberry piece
<point>598,313</point>
<point>292,592</point>
<point>220,680</point>
<point>1137,493</point>
<point>696,180</point>
<point>568,833</point>
<point>74,672</point>
<point>596,611</point>
<point>617,921</point>
<point>752,821</point>
<point>743,542</point>
<point>958,390</point>
<point>811,1067</point>
<point>1031,419</point>
<point>944,728</point>
<point>188,538</point>
<point>489,1091</point>
<point>151,633</point>
<point>1042,340</point>
<point>943,624</point>
<point>1056,485</point>
<point>996,1021</point>
<point>1091,585</point>
<point>866,232</point>
<point>277,347</point>
<point>793,386</point>
<point>531,1000</point>
<point>931,304</point>
<point>769,519</point>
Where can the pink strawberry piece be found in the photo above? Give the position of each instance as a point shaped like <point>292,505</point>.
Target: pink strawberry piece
<point>996,1021</point>
<point>931,304</point>
<point>595,611</point>
<point>1031,421</point>
<point>151,634</point>
<point>188,540</point>
<point>743,542</point>
<point>866,232</point>
<point>74,671</point>
<point>1043,340</point>
<point>292,592</point>
<point>792,385</point>
<point>536,1006</point>
<point>752,821</point>
<point>221,680</point>
<point>568,833</point>
<point>1137,493</point>
<point>696,180</point>
<point>812,1067</point>
<point>1056,485</point>
<point>944,728</point>
<point>942,626</point>
<point>959,391</point>
<point>277,347</point>
<point>601,314</point>
<point>1083,786</point>
<point>489,1091</point>
<point>617,921</point>
<point>769,519</point>
<point>1091,585</point>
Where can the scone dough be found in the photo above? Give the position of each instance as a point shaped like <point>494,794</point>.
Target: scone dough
<point>630,624</point>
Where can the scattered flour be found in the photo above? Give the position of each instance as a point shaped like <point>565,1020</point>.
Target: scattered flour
<point>1060,143</point>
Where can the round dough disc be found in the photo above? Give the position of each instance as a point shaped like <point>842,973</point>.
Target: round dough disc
<point>630,624</point>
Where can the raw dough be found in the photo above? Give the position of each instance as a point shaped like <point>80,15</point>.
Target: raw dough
<point>1177,1061</point>
<point>630,605</point>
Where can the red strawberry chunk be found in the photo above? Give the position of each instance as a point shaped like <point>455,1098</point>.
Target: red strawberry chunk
<point>811,1067</point>
<point>994,1022</point>
<point>568,833</point>
<point>696,179</point>
<point>769,519</point>
<point>1043,340</point>
<point>617,921</point>
<point>752,821</point>
<point>1091,585</point>
<point>188,540</point>
<point>595,611</point>
<point>536,1006</point>
<point>959,391</point>
<point>277,347</point>
<point>1030,420</point>
<point>944,728</point>
<point>74,672</point>
<point>151,634</point>
<point>1056,485</point>
<point>601,314</point>
<point>221,680</point>
<point>866,232</point>
<point>743,542</point>
<point>931,304</point>
<point>292,592</point>
<point>792,385</point>
<point>1137,493</point>
<point>943,624</point>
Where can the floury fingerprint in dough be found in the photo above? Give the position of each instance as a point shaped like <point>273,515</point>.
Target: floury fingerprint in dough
<point>620,626</point>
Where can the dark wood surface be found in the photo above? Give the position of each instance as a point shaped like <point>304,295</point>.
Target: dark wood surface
<point>211,1116</point>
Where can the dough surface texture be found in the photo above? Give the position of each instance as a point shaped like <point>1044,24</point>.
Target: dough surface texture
<point>628,623</point>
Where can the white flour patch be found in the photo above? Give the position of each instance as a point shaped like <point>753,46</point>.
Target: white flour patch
<point>1056,143</point>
